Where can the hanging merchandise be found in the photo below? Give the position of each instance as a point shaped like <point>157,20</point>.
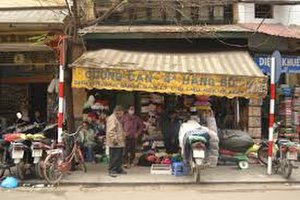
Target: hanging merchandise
<point>151,109</point>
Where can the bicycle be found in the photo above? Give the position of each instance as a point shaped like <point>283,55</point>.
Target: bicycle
<point>57,164</point>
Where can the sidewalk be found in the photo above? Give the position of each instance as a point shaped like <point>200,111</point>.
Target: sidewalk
<point>97,175</point>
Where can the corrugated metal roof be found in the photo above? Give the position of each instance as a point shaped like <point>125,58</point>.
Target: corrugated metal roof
<point>237,63</point>
<point>31,3</point>
<point>33,16</point>
<point>273,29</point>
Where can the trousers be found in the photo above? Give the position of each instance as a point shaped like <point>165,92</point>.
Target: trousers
<point>129,155</point>
<point>115,159</point>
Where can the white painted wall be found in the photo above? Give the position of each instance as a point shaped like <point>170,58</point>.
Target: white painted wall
<point>286,15</point>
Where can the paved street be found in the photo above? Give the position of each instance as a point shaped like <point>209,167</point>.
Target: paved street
<point>97,174</point>
<point>207,192</point>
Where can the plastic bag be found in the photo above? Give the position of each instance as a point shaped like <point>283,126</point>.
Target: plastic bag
<point>9,182</point>
<point>51,86</point>
<point>235,140</point>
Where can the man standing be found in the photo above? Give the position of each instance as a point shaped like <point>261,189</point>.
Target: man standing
<point>115,140</point>
<point>133,127</point>
<point>170,129</point>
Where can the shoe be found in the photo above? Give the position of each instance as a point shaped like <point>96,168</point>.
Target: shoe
<point>112,174</point>
<point>122,172</point>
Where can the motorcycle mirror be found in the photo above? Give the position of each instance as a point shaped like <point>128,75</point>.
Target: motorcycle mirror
<point>19,115</point>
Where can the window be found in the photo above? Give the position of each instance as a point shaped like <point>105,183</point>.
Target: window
<point>263,11</point>
<point>218,13</point>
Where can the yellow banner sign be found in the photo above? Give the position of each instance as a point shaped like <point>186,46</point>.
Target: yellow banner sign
<point>169,82</point>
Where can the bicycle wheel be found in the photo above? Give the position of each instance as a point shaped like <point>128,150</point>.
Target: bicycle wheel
<point>51,171</point>
<point>80,161</point>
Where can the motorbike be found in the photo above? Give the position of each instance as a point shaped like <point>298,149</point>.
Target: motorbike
<point>197,157</point>
<point>21,150</point>
<point>285,153</point>
<point>40,147</point>
<point>240,158</point>
<point>6,160</point>
<point>194,139</point>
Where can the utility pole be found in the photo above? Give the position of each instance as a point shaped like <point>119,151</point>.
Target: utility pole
<point>72,41</point>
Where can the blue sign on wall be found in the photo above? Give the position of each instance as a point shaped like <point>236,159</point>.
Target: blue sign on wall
<point>290,64</point>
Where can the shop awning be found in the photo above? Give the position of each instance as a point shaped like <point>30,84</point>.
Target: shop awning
<point>230,74</point>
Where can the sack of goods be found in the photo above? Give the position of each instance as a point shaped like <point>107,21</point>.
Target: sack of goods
<point>235,140</point>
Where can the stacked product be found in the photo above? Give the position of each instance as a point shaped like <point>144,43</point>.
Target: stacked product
<point>254,119</point>
<point>151,108</point>
<point>296,111</point>
<point>208,119</point>
<point>285,113</point>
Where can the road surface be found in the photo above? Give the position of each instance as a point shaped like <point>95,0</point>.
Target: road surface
<point>183,192</point>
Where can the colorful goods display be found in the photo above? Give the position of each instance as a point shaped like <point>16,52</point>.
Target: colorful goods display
<point>288,112</point>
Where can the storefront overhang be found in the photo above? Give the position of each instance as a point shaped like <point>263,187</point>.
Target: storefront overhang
<point>164,31</point>
<point>229,74</point>
<point>23,47</point>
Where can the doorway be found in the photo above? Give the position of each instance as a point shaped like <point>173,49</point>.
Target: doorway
<point>38,99</point>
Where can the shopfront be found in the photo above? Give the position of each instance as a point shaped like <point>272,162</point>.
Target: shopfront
<point>157,82</point>
<point>287,95</point>
<point>24,83</point>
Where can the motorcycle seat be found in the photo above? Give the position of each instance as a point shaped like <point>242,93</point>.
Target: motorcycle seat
<point>19,141</point>
<point>281,142</point>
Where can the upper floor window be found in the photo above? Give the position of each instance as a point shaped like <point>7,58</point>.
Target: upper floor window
<point>263,11</point>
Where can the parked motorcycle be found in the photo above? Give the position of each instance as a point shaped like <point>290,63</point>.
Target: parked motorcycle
<point>39,149</point>
<point>197,156</point>
<point>240,158</point>
<point>6,160</point>
<point>193,139</point>
<point>21,150</point>
<point>285,153</point>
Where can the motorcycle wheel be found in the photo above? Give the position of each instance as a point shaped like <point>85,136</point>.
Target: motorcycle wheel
<point>38,168</point>
<point>51,170</point>
<point>262,155</point>
<point>21,170</point>
<point>243,164</point>
<point>197,173</point>
<point>286,168</point>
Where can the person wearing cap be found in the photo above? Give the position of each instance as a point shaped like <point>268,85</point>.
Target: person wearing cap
<point>115,140</point>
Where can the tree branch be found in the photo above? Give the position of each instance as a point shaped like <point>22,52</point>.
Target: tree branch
<point>107,13</point>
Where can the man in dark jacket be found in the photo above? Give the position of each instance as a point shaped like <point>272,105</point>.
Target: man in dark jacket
<point>170,130</point>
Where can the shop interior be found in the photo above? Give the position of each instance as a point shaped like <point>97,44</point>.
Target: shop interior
<point>155,108</point>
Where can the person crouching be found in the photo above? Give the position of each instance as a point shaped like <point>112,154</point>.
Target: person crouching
<point>87,136</point>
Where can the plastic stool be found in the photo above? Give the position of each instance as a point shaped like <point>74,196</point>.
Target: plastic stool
<point>179,169</point>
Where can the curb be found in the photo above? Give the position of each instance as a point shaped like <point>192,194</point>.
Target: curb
<point>130,184</point>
